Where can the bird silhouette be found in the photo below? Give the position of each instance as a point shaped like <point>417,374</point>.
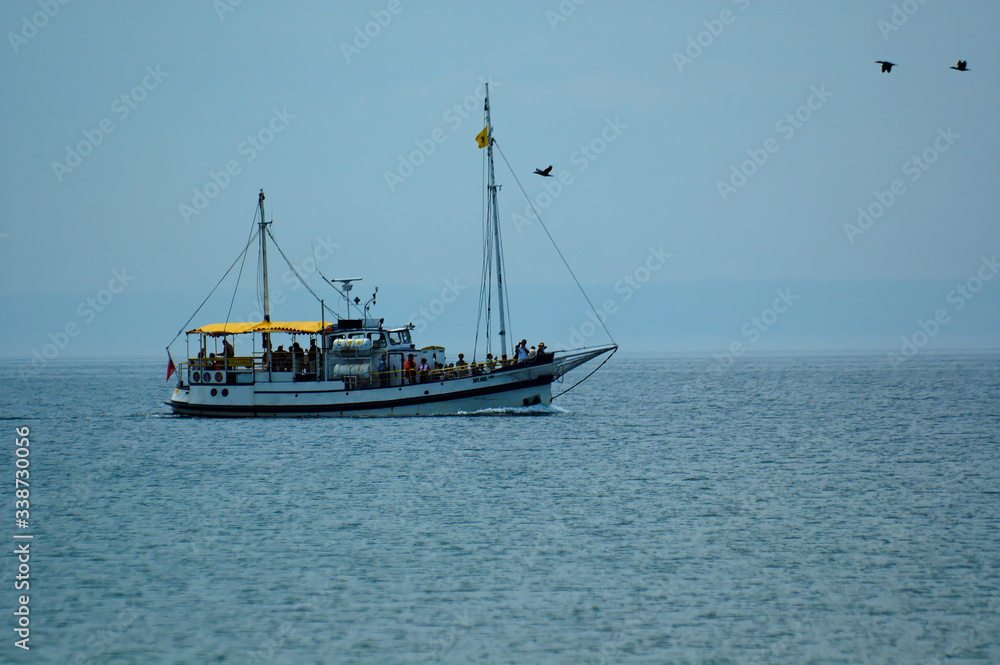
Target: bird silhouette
<point>886,65</point>
<point>961,66</point>
<point>544,172</point>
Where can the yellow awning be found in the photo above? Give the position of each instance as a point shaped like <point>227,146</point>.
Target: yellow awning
<point>263,326</point>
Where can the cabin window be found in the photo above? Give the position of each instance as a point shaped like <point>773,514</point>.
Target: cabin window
<point>406,337</point>
<point>396,336</point>
<point>378,340</point>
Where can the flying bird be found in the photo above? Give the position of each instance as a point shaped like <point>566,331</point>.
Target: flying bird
<point>886,65</point>
<point>544,172</point>
<point>961,66</point>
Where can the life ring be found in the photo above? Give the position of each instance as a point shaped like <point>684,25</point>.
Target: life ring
<point>219,377</point>
<point>195,377</point>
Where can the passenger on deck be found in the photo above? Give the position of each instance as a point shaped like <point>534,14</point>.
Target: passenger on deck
<point>424,370</point>
<point>531,354</point>
<point>279,358</point>
<point>437,373</point>
<point>410,370</point>
<point>313,355</point>
<point>521,352</point>
<point>449,372</point>
<point>491,364</point>
<point>227,349</point>
<point>265,344</point>
<point>542,356</point>
<point>383,372</point>
<point>504,361</point>
<point>461,367</point>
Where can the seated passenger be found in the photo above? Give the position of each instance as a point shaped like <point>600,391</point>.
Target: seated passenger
<point>491,364</point>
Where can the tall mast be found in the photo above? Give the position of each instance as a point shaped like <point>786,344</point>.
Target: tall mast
<point>263,257</point>
<point>494,220</point>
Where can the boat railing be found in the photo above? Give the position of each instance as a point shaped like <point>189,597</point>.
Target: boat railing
<point>288,361</point>
<point>308,367</point>
<point>238,363</point>
<point>398,377</point>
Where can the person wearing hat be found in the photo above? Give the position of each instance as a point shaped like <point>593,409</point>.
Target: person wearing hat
<point>541,356</point>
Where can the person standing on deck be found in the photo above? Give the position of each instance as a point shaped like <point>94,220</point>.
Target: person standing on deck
<point>521,352</point>
<point>313,356</point>
<point>383,372</point>
<point>410,370</point>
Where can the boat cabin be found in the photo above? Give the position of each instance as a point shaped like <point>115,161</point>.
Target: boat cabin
<point>359,353</point>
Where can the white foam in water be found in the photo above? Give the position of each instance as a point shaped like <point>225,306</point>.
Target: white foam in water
<point>533,410</point>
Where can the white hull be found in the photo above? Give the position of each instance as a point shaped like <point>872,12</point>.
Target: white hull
<point>524,386</point>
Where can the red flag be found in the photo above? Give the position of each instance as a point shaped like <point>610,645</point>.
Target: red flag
<point>171,368</point>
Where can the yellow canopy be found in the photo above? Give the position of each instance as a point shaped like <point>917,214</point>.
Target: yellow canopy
<point>263,326</point>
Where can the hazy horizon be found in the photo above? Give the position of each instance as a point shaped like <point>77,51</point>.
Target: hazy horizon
<point>708,157</point>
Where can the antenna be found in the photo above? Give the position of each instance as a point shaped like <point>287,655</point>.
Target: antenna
<point>345,290</point>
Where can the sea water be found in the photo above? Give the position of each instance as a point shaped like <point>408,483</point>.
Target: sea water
<point>780,510</point>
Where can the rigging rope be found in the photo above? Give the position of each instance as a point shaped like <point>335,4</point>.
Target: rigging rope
<point>239,275</point>
<point>613,351</point>
<point>554,245</point>
<point>241,255</point>
<point>484,291</point>
<point>296,272</point>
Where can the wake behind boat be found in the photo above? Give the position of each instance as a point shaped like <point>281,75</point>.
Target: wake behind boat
<point>357,366</point>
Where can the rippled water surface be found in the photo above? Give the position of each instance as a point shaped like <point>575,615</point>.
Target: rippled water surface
<point>783,510</point>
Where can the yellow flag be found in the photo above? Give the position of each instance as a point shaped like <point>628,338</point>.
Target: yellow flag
<point>483,138</point>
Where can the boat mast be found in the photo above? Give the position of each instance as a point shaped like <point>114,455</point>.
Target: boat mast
<point>494,219</point>
<point>263,257</point>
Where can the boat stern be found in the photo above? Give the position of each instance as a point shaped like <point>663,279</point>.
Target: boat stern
<point>180,398</point>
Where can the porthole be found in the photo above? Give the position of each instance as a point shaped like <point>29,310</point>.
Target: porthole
<point>225,392</point>
<point>214,392</point>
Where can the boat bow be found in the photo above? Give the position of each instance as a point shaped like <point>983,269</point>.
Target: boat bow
<point>564,361</point>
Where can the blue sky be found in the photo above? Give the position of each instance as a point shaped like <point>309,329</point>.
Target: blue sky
<point>738,137</point>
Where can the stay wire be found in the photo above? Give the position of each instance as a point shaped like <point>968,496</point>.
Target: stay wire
<point>613,351</point>
<point>555,246</point>
<point>296,272</point>
<point>239,275</point>
<point>241,255</point>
